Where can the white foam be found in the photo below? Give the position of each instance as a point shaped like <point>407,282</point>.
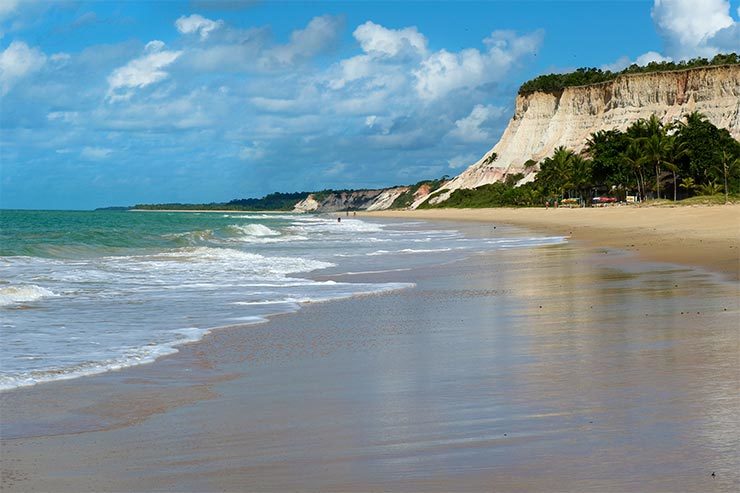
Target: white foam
<point>10,295</point>
<point>253,230</point>
<point>409,250</point>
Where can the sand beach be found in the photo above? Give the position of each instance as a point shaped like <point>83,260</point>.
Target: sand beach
<point>706,236</point>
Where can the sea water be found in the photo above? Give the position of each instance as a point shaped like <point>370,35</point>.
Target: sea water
<point>87,292</point>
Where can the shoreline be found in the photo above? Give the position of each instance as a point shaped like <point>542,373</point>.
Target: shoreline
<point>699,236</point>
<point>377,392</point>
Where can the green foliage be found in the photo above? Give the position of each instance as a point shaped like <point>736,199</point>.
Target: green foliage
<point>406,198</point>
<point>493,195</point>
<point>555,83</point>
<point>710,188</point>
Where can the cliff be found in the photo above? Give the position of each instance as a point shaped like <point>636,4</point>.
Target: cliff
<point>544,121</point>
<point>371,200</point>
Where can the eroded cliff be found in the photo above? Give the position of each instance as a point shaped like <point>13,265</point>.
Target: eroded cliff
<point>544,121</point>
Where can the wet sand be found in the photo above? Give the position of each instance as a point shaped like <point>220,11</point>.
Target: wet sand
<point>560,368</point>
<point>707,236</point>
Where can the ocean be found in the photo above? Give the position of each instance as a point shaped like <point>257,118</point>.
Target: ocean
<point>88,292</point>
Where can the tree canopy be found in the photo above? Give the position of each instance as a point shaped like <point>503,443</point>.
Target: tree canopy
<point>555,83</point>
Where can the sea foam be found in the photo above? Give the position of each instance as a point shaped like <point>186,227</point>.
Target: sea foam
<point>10,295</point>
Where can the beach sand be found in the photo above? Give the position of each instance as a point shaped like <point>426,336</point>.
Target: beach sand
<point>707,236</point>
<point>563,368</point>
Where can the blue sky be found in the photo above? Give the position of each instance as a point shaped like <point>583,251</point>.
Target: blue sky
<point>117,103</point>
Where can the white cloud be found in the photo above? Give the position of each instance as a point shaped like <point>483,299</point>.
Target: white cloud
<point>688,27</point>
<point>197,24</point>
<point>472,128</point>
<point>63,116</point>
<point>320,33</point>
<point>376,39</point>
<point>95,153</point>
<point>154,46</point>
<point>60,57</point>
<point>443,71</point>
<point>620,63</point>
<point>17,61</point>
<point>8,8</point>
<point>140,72</point>
<point>651,56</point>
<point>642,60</point>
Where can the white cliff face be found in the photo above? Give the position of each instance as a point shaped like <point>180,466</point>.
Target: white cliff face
<point>542,121</point>
<point>371,200</point>
<point>309,204</point>
<point>386,198</point>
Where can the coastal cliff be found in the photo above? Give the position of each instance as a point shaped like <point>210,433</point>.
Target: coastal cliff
<point>370,200</point>
<point>544,121</point>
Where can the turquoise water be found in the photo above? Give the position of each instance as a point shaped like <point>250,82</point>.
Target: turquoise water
<point>86,292</point>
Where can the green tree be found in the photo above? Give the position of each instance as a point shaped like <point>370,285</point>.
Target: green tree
<point>728,165</point>
<point>688,184</point>
<point>632,157</point>
<point>580,176</point>
<point>655,147</point>
<point>555,171</point>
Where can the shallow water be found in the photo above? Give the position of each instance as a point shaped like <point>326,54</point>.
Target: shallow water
<point>86,292</point>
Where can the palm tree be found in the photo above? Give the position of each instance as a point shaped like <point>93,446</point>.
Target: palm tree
<point>727,165</point>
<point>580,174</point>
<point>674,152</point>
<point>633,158</point>
<point>597,139</point>
<point>655,146</point>
<point>688,184</point>
<point>710,188</point>
<point>694,118</point>
<point>555,171</point>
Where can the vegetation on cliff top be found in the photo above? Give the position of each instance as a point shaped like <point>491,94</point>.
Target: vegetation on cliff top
<point>649,160</point>
<point>555,83</point>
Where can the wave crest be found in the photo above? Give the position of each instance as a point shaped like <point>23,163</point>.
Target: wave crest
<point>10,295</point>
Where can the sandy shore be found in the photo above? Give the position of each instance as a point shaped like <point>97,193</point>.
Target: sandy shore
<point>556,368</point>
<point>706,236</point>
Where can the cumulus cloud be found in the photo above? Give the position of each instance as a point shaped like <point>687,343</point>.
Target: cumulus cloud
<point>473,128</point>
<point>388,55</point>
<point>197,24</point>
<point>445,71</point>
<point>17,61</point>
<point>378,40</point>
<point>141,72</point>
<point>320,34</point>
<point>692,28</point>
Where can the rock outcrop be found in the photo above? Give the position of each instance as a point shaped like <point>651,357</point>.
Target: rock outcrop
<point>371,200</point>
<point>544,121</point>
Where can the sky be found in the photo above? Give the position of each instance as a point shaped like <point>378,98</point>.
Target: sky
<point>125,102</point>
